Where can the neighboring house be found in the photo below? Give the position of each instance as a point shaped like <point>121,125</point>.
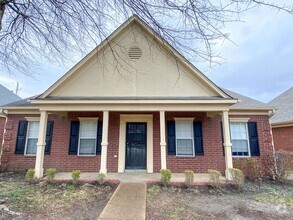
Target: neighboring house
<point>282,121</point>
<point>134,103</point>
<point>6,96</point>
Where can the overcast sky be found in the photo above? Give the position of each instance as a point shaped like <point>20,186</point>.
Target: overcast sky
<point>259,66</point>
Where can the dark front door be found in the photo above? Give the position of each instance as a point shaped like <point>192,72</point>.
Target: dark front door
<point>136,145</point>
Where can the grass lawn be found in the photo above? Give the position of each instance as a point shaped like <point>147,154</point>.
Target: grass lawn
<point>257,200</point>
<point>21,200</point>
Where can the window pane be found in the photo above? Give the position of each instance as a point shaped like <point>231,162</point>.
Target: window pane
<point>88,129</point>
<point>31,147</point>
<point>33,129</point>
<point>184,147</point>
<point>240,147</point>
<point>238,131</point>
<point>87,147</point>
<point>184,130</point>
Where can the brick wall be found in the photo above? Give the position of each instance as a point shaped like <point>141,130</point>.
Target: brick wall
<point>213,153</point>
<point>264,138</point>
<point>283,138</point>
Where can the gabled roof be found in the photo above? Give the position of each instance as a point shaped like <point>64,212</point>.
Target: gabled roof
<point>246,103</point>
<point>284,105</point>
<point>7,96</point>
<point>160,40</point>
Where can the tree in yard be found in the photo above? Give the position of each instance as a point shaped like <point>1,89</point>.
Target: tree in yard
<point>32,31</point>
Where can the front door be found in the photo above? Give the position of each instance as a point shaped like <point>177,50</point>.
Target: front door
<point>136,145</point>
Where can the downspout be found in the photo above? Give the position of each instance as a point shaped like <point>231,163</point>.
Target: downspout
<point>2,115</point>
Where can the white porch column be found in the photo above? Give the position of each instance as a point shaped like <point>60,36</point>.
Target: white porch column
<point>163,140</point>
<point>104,143</point>
<point>227,143</point>
<point>39,166</point>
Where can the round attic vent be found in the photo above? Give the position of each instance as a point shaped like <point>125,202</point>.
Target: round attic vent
<point>134,53</point>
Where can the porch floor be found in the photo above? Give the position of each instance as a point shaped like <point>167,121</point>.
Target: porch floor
<point>136,177</point>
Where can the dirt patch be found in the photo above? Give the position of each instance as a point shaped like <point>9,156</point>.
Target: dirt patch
<point>265,200</point>
<point>21,200</point>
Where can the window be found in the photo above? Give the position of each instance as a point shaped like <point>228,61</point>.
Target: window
<point>32,138</point>
<point>184,138</point>
<point>239,138</point>
<point>87,138</point>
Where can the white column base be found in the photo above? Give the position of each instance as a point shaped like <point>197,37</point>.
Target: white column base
<point>163,156</point>
<point>39,170</point>
<point>103,168</point>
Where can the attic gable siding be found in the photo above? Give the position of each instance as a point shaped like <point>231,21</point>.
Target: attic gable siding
<point>156,73</point>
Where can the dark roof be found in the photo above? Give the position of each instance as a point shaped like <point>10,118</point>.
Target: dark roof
<point>7,96</point>
<point>246,102</point>
<point>284,105</point>
<point>21,103</point>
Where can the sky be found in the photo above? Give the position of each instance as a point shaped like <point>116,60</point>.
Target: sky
<point>259,63</point>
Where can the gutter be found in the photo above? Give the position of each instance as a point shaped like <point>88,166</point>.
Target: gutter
<point>3,114</point>
<point>272,113</point>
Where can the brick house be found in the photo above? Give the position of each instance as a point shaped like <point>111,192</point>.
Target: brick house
<point>282,121</point>
<point>134,103</point>
<point>6,96</point>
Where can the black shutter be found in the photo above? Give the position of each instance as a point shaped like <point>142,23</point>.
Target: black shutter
<point>253,139</point>
<point>73,142</point>
<point>49,134</point>
<point>171,137</point>
<point>222,136</point>
<point>198,138</point>
<point>21,135</point>
<point>99,137</point>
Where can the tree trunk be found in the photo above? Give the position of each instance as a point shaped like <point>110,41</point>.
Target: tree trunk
<point>2,9</point>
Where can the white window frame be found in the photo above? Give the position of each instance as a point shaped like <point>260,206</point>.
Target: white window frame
<point>247,133</point>
<point>29,120</point>
<point>189,120</point>
<point>79,138</point>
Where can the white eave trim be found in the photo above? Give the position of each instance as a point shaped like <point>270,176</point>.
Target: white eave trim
<point>45,102</point>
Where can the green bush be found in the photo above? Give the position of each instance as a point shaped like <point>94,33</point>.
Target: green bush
<point>50,173</point>
<point>189,177</point>
<point>30,174</point>
<point>165,176</point>
<point>237,177</point>
<point>101,178</point>
<point>75,175</point>
<point>215,176</point>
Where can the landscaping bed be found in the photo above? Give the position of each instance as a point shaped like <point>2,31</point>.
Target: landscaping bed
<point>42,200</point>
<point>257,200</point>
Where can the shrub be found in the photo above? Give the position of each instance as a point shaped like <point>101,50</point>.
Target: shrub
<point>75,175</point>
<point>101,178</point>
<point>251,168</point>
<point>189,177</point>
<point>165,176</point>
<point>214,178</point>
<point>30,174</point>
<point>50,173</point>
<point>237,177</point>
<point>278,163</point>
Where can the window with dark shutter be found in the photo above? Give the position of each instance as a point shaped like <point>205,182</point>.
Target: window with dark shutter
<point>198,138</point>
<point>171,137</point>
<point>73,142</point>
<point>253,139</point>
<point>21,137</point>
<point>49,134</point>
<point>99,137</point>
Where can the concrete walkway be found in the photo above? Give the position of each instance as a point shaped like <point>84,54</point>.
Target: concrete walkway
<point>127,202</point>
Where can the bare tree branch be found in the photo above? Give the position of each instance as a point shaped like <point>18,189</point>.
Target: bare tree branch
<point>34,31</point>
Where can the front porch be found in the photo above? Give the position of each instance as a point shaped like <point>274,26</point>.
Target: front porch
<point>137,177</point>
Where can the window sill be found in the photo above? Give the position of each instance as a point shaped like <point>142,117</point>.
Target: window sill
<point>241,156</point>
